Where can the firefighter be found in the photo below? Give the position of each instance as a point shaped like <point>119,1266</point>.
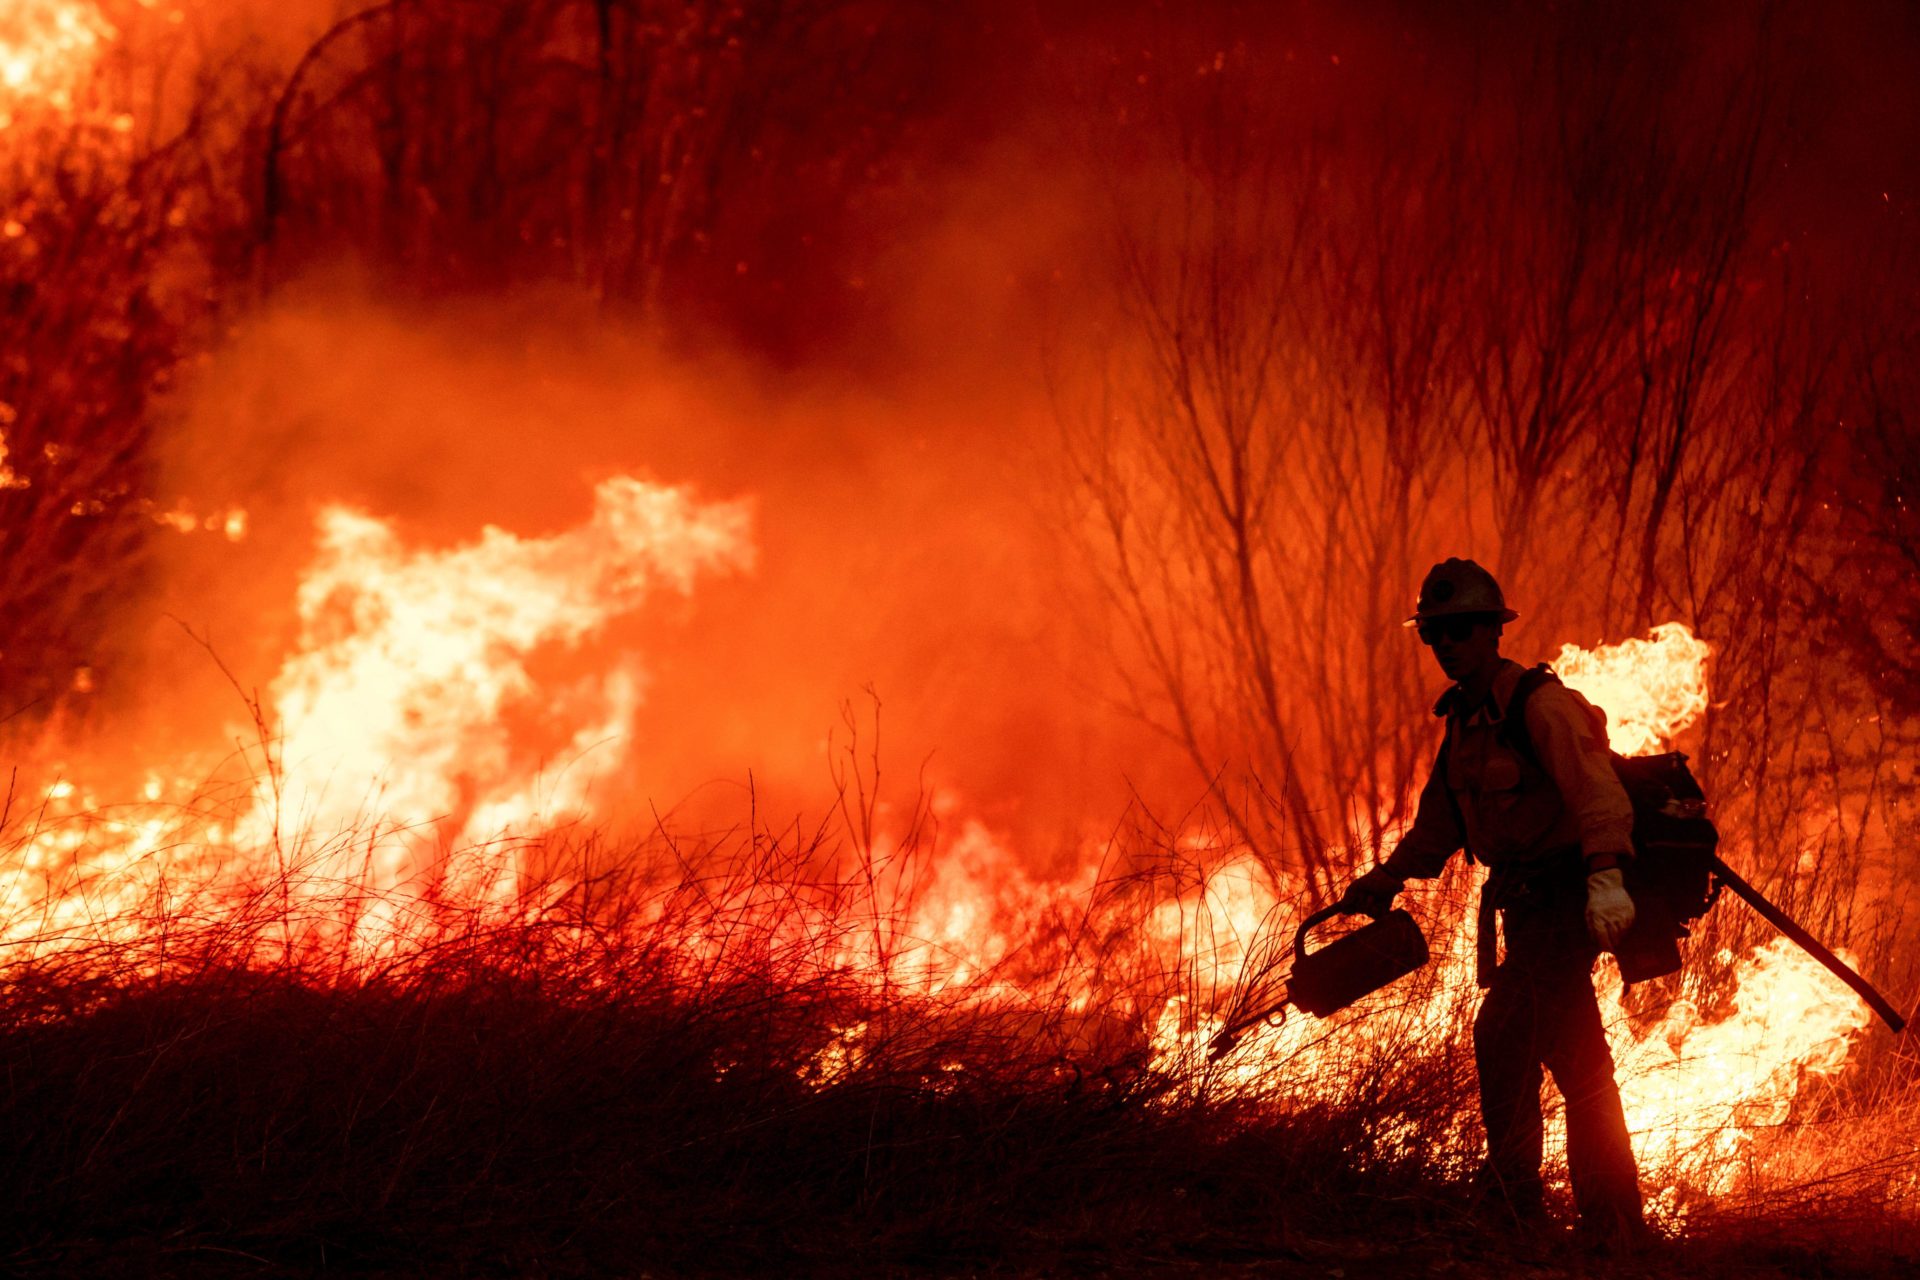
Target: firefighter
<point>1554,836</point>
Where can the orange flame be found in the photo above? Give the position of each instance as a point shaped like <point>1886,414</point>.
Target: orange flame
<point>391,715</point>
<point>47,48</point>
<point>1651,689</point>
<point>388,761</point>
<point>391,710</point>
<point>1700,1097</point>
<point>385,745</point>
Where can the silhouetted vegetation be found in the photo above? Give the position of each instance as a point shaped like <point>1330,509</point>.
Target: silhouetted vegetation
<point>1567,320</point>
<point>741,1070</point>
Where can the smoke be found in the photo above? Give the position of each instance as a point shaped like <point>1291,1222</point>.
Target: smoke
<point>903,555</point>
<point>861,345</point>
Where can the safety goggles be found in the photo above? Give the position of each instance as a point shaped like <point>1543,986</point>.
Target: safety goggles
<point>1456,628</point>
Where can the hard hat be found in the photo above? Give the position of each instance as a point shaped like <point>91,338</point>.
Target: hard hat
<point>1457,586</point>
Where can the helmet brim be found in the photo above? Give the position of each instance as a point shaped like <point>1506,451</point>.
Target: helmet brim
<point>1505,615</point>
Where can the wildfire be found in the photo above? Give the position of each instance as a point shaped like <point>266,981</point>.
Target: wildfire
<point>47,48</point>
<point>395,707</point>
<point>408,749</point>
<point>1651,689</point>
<point>1699,1095</point>
<point>393,715</point>
<point>388,766</point>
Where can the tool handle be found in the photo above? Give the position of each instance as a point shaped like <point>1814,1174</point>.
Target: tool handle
<point>1321,916</point>
<point>1808,943</point>
<point>1223,1043</point>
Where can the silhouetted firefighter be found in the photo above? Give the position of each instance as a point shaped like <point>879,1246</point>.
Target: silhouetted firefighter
<point>1543,809</point>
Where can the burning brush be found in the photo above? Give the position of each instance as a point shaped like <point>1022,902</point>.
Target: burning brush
<point>1675,878</point>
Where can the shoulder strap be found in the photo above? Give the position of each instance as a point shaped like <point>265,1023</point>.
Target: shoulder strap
<point>1513,728</point>
<point>1453,801</point>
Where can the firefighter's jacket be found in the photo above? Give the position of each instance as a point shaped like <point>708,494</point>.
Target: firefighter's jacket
<point>1507,811</point>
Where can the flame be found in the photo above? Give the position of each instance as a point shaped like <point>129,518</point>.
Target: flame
<point>47,49</point>
<point>392,716</point>
<point>1701,1096</point>
<point>1651,689</point>
<point>387,756</point>
<point>396,762</point>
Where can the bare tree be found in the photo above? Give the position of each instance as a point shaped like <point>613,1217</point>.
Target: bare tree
<point>1618,197</point>
<point>1185,463</point>
<point>1352,341</point>
<point>1266,454</point>
<point>98,264</point>
<point>472,141</point>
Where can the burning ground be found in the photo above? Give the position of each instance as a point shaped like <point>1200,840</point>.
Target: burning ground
<point>719,638</point>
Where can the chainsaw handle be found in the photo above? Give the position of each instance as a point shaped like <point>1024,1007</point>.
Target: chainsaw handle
<point>1321,916</point>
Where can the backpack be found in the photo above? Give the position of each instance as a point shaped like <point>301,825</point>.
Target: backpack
<point>1673,839</point>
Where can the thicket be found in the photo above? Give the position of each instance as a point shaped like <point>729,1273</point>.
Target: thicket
<point>740,1068</point>
<point>1578,329</point>
<point>1557,333</point>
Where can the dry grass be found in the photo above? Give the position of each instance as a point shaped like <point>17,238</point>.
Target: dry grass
<point>659,1069</point>
<point>728,1059</point>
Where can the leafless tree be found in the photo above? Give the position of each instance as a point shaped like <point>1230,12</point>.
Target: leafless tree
<point>100,292</point>
<point>1351,343</point>
<point>1267,451</point>
<point>472,141</point>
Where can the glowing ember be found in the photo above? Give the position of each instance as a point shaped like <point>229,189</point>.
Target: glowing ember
<point>9,478</point>
<point>230,524</point>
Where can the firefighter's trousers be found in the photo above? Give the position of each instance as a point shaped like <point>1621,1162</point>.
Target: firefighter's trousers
<point>1540,1011</point>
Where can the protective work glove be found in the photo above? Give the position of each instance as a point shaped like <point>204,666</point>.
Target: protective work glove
<point>1609,909</point>
<point>1372,894</point>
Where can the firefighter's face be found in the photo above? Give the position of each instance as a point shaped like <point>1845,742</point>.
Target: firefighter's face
<point>1465,646</point>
